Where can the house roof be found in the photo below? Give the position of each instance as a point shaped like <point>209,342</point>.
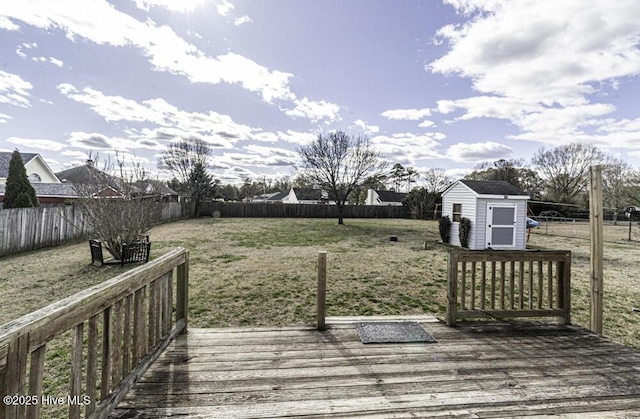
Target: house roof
<point>5,158</point>
<point>277,196</point>
<point>154,187</point>
<point>86,174</point>
<point>57,190</point>
<point>391,196</point>
<point>309,194</point>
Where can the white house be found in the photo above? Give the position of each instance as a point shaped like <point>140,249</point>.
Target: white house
<point>375,197</point>
<point>37,169</point>
<point>497,210</point>
<point>306,196</point>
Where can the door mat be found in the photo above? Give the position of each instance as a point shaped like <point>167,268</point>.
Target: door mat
<point>392,332</point>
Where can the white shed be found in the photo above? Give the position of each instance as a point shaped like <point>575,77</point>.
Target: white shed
<point>497,210</point>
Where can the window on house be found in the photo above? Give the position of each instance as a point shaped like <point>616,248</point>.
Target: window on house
<point>457,212</point>
<point>34,177</point>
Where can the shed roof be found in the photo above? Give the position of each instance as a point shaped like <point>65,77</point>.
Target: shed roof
<point>493,187</point>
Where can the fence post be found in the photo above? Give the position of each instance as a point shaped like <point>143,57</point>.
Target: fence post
<point>322,289</point>
<point>452,289</point>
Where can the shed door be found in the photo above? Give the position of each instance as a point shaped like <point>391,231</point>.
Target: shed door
<point>501,225</point>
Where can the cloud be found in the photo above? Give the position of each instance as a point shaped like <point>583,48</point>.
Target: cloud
<point>408,147</point>
<point>38,144</point>
<point>368,129</point>
<point>184,6</point>
<point>14,90</point>
<point>406,114</point>
<point>56,62</point>
<point>175,122</point>
<point>4,118</point>
<point>90,141</point>
<point>164,49</point>
<point>7,24</point>
<point>542,65</point>
<point>295,137</point>
<point>259,156</point>
<point>225,8</point>
<point>545,51</point>
<point>426,124</point>
<point>242,20</point>
<point>478,152</point>
<point>25,46</point>
<point>315,110</point>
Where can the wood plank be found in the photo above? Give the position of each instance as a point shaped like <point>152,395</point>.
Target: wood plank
<point>16,374</point>
<point>126,336</point>
<point>105,381</point>
<point>36,373</point>
<point>76,370</point>
<point>473,285</point>
<point>116,347</point>
<point>92,364</point>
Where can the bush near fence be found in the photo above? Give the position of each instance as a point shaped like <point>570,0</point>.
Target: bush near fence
<point>279,210</point>
<point>24,229</point>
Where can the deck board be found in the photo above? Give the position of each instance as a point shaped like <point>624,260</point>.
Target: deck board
<point>475,370</point>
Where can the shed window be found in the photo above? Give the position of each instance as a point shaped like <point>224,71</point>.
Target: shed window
<point>457,212</point>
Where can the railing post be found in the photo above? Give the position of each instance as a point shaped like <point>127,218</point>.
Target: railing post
<point>597,270</point>
<point>567,290</point>
<point>452,289</point>
<point>322,289</point>
<point>182,292</point>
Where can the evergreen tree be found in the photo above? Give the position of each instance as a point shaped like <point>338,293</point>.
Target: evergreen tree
<point>201,185</point>
<point>18,191</point>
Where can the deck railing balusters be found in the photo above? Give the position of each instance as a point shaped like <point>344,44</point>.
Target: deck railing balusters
<point>494,305</point>
<point>133,329</point>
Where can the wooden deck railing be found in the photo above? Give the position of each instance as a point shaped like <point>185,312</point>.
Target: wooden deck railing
<point>123,324</point>
<point>508,284</point>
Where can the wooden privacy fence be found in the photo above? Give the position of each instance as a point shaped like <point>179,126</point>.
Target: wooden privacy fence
<point>118,328</point>
<point>273,209</point>
<point>508,284</point>
<point>24,229</point>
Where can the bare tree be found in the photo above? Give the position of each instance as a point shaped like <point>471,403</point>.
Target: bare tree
<point>437,180</point>
<point>615,178</point>
<point>116,210</point>
<point>411,175</point>
<point>186,160</point>
<point>181,157</point>
<point>565,170</point>
<point>338,162</point>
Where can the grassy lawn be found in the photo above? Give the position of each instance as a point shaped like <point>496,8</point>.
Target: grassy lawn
<point>263,271</point>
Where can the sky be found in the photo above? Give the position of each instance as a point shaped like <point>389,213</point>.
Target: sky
<point>434,84</point>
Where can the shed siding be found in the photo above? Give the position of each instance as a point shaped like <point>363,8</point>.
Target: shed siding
<point>521,225</point>
<point>474,207</point>
<point>481,225</point>
<point>460,194</point>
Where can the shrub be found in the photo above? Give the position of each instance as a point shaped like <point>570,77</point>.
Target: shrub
<point>444,227</point>
<point>464,231</point>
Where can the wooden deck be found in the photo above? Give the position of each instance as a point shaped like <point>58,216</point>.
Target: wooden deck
<point>489,370</point>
